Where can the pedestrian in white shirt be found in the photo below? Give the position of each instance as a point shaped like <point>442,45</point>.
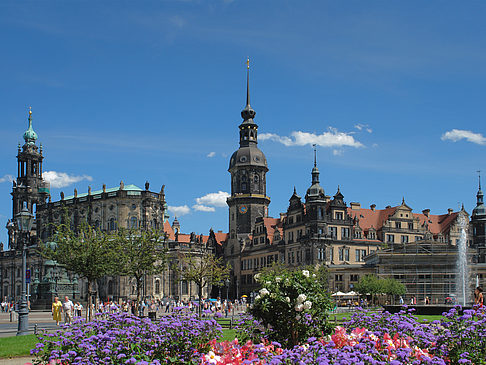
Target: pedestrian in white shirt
<point>67,308</point>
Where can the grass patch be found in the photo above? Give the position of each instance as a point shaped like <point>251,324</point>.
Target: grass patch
<point>16,346</point>
<point>228,335</point>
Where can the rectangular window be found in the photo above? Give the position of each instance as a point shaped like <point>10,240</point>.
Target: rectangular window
<point>390,238</point>
<point>338,277</point>
<point>398,224</point>
<point>298,256</point>
<point>404,239</point>
<point>333,232</point>
<point>339,216</point>
<point>262,239</point>
<point>410,226</point>
<point>346,254</point>
<point>341,254</point>
<point>344,233</point>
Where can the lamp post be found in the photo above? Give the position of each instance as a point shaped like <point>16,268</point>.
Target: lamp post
<point>227,289</point>
<point>24,222</point>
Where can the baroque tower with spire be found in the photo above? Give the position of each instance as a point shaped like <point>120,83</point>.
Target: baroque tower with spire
<point>478,225</point>
<point>248,167</point>
<point>29,189</point>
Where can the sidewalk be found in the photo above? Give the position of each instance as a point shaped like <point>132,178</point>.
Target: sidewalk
<point>16,361</point>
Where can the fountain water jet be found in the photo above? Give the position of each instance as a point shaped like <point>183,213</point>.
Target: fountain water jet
<point>462,267</point>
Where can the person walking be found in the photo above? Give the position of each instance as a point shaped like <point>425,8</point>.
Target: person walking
<point>67,308</point>
<point>479,297</point>
<point>56,310</point>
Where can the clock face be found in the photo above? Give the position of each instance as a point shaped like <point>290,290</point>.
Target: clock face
<point>243,209</point>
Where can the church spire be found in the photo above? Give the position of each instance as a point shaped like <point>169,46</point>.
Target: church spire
<point>315,170</point>
<point>248,113</point>
<point>30,136</point>
<point>479,195</point>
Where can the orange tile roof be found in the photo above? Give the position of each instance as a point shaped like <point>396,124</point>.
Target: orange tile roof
<point>168,229</point>
<point>371,218</point>
<point>272,224</point>
<point>375,218</point>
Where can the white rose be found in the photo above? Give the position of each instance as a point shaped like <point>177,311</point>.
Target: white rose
<point>301,298</point>
<point>278,279</point>
<point>264,291</point>
<point>305,273</point>
<point>268,282</point>
<point>287,299</point>
<point>299,307</point>
<point>257,297</point>
<point>257,276</point>
<point>314,275</point>
<point>298,317</point>
<point>307,305</point>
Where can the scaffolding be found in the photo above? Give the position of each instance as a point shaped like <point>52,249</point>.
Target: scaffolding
<point>426,268</point>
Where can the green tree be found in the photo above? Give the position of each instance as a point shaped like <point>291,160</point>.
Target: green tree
<point>393,287</point>
<point>140,253</point>
<point>203,269</point>
<point>86,251</point>
<point>293,305</point>
<point>369,285</point>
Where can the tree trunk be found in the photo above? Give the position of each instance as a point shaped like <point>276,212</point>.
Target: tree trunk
<point>139,287</point>
<point>89,314</point>
<point>200,299</point>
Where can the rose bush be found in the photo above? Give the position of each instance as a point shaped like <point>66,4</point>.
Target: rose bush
<point>292,306</point>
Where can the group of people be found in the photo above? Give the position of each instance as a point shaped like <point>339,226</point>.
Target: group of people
<point>68,308</point>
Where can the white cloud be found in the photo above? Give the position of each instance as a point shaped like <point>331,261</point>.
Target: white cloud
<point>179,210</point>
<point>211,154</point>
<point>458,134</point>
<point>337,152</point>
<point>203,208</point>
<point>365,127</point>
<point>331,138</point>
<point>61,179</point>
<point>213,199</point>
<point>6,178</point>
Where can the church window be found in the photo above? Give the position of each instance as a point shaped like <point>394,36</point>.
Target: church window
<point>157,286</point>
<point>112,224</point>
<point>133,222</point>
<point>243,186</point>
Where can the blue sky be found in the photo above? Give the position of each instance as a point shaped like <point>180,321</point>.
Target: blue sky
<point>392,92</point>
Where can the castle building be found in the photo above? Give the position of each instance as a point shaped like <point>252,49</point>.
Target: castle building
<point>107,209</point>
<point>321,230</point>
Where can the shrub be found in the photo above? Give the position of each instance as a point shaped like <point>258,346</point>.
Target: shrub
<point>292,305</point>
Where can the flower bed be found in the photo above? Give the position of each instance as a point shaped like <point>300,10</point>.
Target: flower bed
<point>126,339</point>
<point>367,338</point>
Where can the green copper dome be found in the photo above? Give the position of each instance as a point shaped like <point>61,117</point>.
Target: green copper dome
<point>30,136</point>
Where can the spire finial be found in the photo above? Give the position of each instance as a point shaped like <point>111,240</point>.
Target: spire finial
<point>403,200</point>
<point>315,155</point>
<point>30,136</point>
<point>479,177</point>
<point>295,191</point>
<point>248,81</point>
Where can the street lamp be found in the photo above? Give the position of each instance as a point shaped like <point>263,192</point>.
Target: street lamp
<point>227,289</point>
<point>24,222</point>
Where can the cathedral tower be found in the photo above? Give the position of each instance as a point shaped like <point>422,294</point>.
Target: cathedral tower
<point>29,188</point>
<point>248,167</point>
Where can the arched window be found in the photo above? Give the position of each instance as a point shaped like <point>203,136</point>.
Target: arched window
<point>112,224</point>
<point>133,222</point>
<point>256,179</point>
<point>157,286</point>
